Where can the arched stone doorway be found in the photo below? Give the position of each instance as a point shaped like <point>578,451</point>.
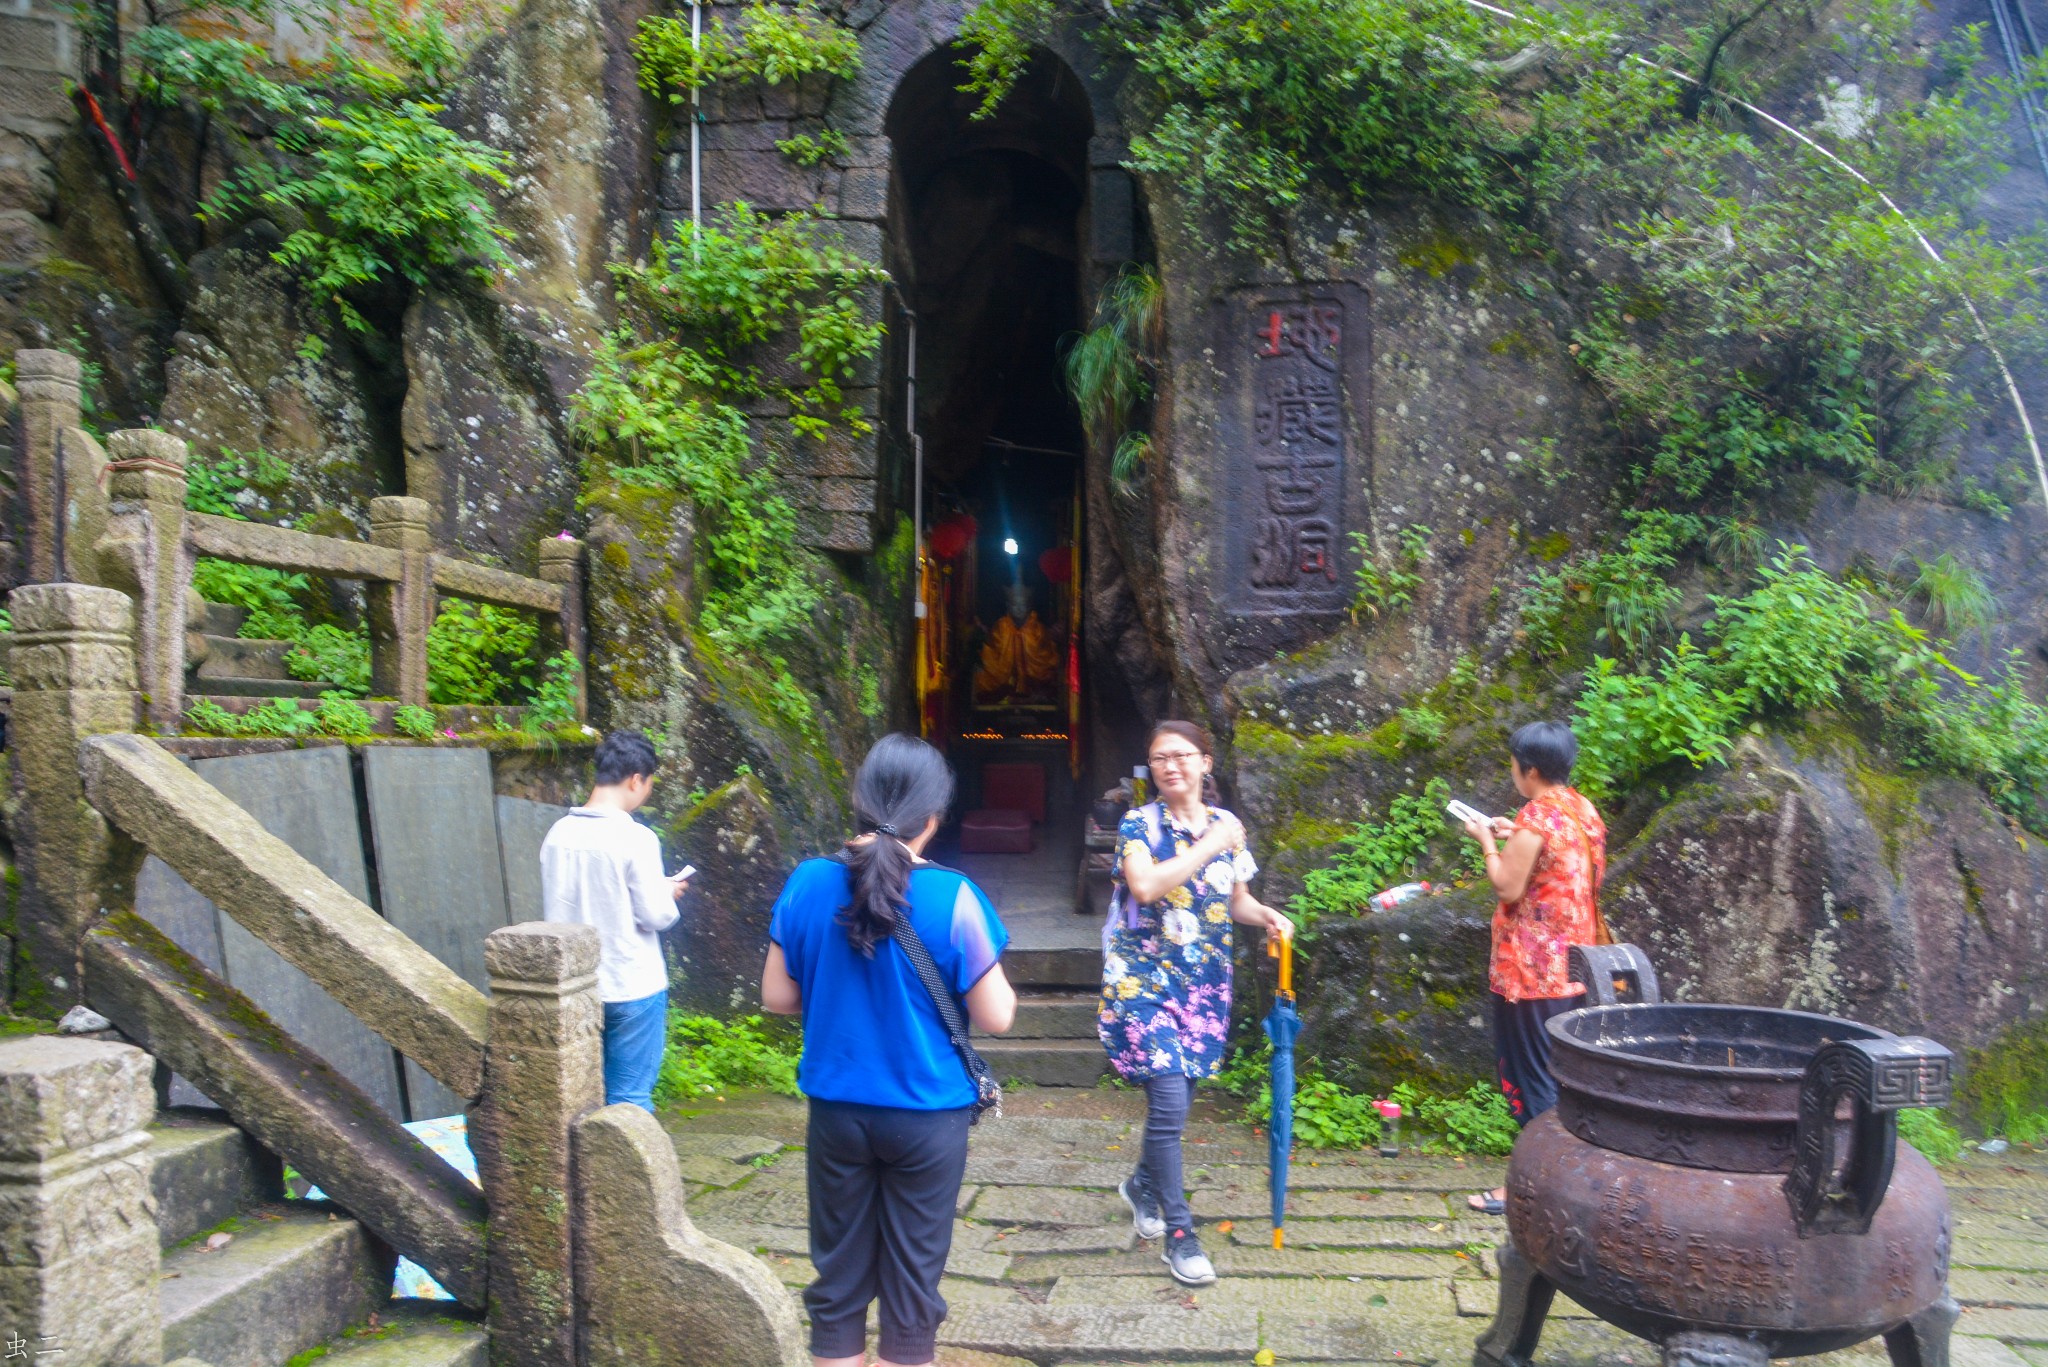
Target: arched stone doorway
<point>987,243</point>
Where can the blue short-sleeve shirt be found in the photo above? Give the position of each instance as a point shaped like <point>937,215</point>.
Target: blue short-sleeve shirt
<point>871,1033</point>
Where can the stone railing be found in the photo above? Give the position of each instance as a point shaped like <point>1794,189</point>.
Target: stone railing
<point>117,518</point>
<point>598,1262</point>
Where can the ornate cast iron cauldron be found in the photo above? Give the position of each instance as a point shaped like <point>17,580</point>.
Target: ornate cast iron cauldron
<point>1725,1181</point>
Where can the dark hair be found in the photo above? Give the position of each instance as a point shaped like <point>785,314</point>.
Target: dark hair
<point>1195,736</point>
<point>1547,747</point>
<point>902,784</point>
<point>623,754</point>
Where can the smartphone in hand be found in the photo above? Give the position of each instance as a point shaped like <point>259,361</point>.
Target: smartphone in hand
<point>1464,812</point>
<point>683,874</point>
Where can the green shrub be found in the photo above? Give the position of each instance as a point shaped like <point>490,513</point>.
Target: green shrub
<point>1328,1115</point>
<point>207,717</point>
<point>1791,641</point>
<point>766,43</point>
<point>706,1056</point>
<point>1628,724</point>
<point>417,722</point>
<point>340,715</point>
<point>479,654</point>
<point>1476,1121</point>
<point>280,717</point>
<point>554,702</point>
<point>2005,1085</point>
<point>1930,1132</point>
<point>1388,578</point>
<point>1379,855</point>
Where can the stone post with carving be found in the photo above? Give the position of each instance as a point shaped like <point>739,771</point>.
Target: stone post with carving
<point>143,553</point>
<point>47,382</point>
<point>401,612</point>
<point>78,1236</point>
<point>561,562</point>
<point>543,1068</point>
<point>73,662</point>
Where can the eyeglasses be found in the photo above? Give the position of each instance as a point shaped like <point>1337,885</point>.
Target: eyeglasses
<point>1177,757</point>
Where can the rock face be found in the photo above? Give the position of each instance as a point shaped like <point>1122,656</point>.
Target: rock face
<point>1401,996</point>
<point>721,939</point>
<point>483,438</point>
<point>1817,882</point>
<point>241,379</point>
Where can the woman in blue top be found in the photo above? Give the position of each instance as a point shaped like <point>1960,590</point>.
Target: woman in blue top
<point>890,1098</point>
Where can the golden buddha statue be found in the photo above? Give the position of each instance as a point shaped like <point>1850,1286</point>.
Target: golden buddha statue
<point>1020,660</point>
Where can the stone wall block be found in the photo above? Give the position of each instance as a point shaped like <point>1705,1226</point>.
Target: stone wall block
<point>766,180</point>
<point>652,1291</point>
<point>79,1256</point>
<point>864,193</point>
<point>543,1069</point>
<point>828,531</point>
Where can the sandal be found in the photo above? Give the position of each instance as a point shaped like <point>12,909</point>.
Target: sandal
<point>1487,1204</point>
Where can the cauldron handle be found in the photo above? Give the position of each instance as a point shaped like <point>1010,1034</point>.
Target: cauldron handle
<point>1881,1077</point>
<point>1613,974</point>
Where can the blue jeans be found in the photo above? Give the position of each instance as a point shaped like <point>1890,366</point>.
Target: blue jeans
<point>635,1035</point>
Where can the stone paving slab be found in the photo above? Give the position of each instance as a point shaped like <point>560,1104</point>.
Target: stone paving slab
<point>706,1171</point>
<point>2033,1357</point>
<point>2000,1225</point>
<point>1020,1241</point>
<point>2023,1326</point>
<point>1047,1206</point>
<point>1430,1299</point>
<point>1235,1261</point>
<point>733,1148</point>
<point>1122,1333</point>
<point>1451,1236</point>
<point>1481,1299</point>
<point>2026,1290</point>
<point>1979,1352</point>
<point>2001,1253</point>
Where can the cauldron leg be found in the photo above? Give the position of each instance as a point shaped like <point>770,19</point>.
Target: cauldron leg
<point>1524,1300</point>
<point>1692,1348</point>
<point>1922,1341</point>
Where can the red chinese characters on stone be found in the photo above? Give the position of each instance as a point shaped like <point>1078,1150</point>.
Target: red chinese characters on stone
<point>1298,447</point>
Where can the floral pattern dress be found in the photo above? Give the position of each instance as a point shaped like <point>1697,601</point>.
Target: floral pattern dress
<point>1166,982</point>
<point>1532,938</point>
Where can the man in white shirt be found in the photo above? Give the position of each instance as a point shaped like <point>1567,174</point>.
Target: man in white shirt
<point>601,868</point>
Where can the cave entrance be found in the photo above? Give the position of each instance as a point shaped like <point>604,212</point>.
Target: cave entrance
<point>986,250</point>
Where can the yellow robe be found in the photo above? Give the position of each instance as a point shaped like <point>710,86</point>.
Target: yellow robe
<point>1018,663</point>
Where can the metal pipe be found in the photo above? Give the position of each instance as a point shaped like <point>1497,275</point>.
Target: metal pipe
<point>696,133</point>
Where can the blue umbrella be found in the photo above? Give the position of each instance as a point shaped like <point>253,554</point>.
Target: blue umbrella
<point>1282,1025</point>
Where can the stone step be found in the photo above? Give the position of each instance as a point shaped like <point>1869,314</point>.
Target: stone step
<point>1046,1062</point>
<point>203,1172</point>
<point>231,657</point>
<point>257,688</point>
<point>223,619</point>
<point>412,1334</point>
<point>1054,1015</point>
<point>289,1279</point>
<point>1073,969</point>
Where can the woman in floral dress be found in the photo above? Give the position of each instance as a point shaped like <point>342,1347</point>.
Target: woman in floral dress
<point>1546,869</point>
<point>1182,876</point>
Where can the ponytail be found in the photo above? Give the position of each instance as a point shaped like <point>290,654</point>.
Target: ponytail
<point>901,786</point>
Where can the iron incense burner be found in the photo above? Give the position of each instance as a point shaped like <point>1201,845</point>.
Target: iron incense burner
<point>1726,1181</point>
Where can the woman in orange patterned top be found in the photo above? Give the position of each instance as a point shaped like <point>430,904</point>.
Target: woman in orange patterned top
<point>1546,864</point>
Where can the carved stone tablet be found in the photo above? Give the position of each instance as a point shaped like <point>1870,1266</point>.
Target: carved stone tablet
<point>1293,425</point>
<point>434,822</point>
<point>522,826</point>
<point>306,798</point>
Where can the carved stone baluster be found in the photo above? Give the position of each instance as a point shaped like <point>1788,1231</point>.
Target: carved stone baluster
<point>78,1236</point>
<point>401,612</point>
<point>73,662</point>
<point>143,552</point>
<point>561,562</point>
<point>543,1068</point>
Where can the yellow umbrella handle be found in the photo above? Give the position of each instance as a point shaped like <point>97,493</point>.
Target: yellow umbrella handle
<point>1281,947</point>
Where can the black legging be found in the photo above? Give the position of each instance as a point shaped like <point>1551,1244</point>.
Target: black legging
<point>1159,1171</point>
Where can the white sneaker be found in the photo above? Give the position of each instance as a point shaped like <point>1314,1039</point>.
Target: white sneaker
<point>1186,1261</point>
<point>1145,1219</point>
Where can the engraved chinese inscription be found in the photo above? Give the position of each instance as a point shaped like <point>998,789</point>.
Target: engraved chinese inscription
<point>1285,504</point>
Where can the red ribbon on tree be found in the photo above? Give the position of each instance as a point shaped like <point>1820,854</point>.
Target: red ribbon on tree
<point>1057,564</point>
<point>951,536</point>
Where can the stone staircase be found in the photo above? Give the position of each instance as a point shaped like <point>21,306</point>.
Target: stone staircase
<point>291,1278</point>
<point>232,667</point>
<point>1053,1043</point>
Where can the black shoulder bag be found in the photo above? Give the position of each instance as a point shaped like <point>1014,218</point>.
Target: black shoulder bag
<point>988,1093</point>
